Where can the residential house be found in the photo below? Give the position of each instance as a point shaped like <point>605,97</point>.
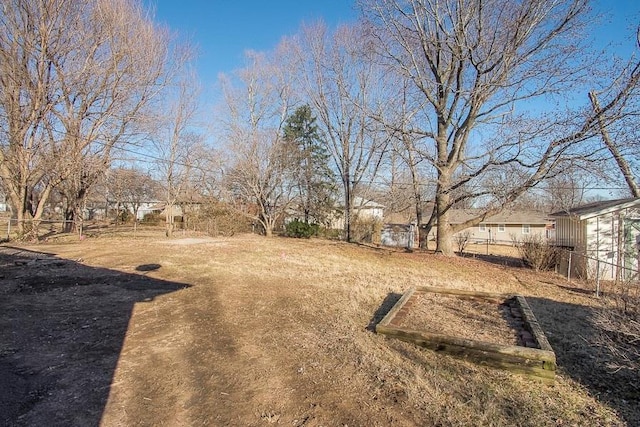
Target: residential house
<point>363,209</point>
<point>149,208</point>
<point>4,205</point>
<point>604,238</point>
<point>505,227</point>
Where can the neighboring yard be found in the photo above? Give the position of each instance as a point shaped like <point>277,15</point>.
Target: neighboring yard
<point>249,331</point>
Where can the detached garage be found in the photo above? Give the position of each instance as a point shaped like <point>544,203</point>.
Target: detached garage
<point>604,236</point>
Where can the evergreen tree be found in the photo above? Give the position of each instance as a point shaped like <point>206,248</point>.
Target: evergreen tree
<point>316,181</point>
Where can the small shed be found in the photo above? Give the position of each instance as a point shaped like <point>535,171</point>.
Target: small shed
<point>603,237</point>
<point>398,235</point>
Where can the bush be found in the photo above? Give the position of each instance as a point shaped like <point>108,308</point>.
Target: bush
<point>462,240</point>
<point>219,219</point>
<point>300,229</point>
<point>536,252</point>
<point>152,218</point>
<point>331,233</point>
<point>366,231</point>
<point>618,322</point>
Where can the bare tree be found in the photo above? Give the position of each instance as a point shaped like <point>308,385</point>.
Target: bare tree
<point>117,184</point>
<point>176,141</point>
<point>261,174</point>
<point>343,83</point>
<point>565,191</point>
<point>622,120</point>
<point>74,76</point>
<point>26,78</point>
<point>99,110</point>
<point>130,188</point>
<point>472,64</point>
<point>402,109</point>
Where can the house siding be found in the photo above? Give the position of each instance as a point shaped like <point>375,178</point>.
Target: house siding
<point>511,232</point>
<point>601,246</point>
<point>601,243</point>
<point>570,232</point>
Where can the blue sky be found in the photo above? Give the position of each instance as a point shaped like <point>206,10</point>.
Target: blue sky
<point>223,29</point>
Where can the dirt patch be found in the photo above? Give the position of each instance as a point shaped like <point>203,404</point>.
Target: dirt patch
<point>132,330</point>
<point>473,319</point>
<point>190,241</point>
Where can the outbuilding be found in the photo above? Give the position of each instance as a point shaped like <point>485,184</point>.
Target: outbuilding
<point>603,238</point>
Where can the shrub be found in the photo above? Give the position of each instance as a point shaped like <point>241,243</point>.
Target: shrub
<point>366,230</point>
<point>152,218</point>
<point>618,322</point>
<point>462,239</point>
<point>219,219</point>
<point>331,233</point>
<point>536,252</point>
<point>301,229</point>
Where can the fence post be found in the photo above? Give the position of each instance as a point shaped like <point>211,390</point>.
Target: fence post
<point>410,238</point>
<point>9,229</point>
<point>597,277</point>
<point>569,267</point>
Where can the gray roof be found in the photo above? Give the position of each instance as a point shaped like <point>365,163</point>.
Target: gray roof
<point>457,216</point>
<point>602,207</point>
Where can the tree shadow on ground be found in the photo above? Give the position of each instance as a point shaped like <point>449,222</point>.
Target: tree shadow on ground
<point>501,260</point>
<point>574,336</point>
<point>62,328</point>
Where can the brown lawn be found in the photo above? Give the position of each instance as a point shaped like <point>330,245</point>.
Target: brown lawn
<point>248,331</point>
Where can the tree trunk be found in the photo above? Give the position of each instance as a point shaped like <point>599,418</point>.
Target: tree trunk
<point>69,214</point>
<point>169,220</point>
<point>422,234</point>
<point>348,205</point>
<point>78,217</point>
<point>417,196</point>
<point>444,237</point>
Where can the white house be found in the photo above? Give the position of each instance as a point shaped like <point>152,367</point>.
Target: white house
<point>4,204</point>
<point>363,209</point>
<point>604,236</point>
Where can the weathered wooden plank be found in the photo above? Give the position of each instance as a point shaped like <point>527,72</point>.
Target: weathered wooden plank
<point>514,362</point>
<point>396,308</point>
<point>538,362</point>
<point>508,350</point>
<point>532,323</point>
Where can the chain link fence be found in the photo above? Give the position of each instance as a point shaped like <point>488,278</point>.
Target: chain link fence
<point>577,265</point>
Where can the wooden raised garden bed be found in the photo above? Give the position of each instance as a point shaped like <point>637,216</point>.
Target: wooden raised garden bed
<point>492,329</point>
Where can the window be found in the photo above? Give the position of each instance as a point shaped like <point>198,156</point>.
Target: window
<point>501,228</point>
<point>482,228</point>
<point>526,229</point>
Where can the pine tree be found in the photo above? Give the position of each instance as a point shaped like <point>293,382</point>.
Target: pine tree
<point>316,181</point>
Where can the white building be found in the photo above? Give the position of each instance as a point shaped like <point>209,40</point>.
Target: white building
<point>363,209</point>
<point>604,236</point>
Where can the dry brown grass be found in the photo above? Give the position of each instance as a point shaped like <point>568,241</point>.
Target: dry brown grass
<point>278,331</point>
